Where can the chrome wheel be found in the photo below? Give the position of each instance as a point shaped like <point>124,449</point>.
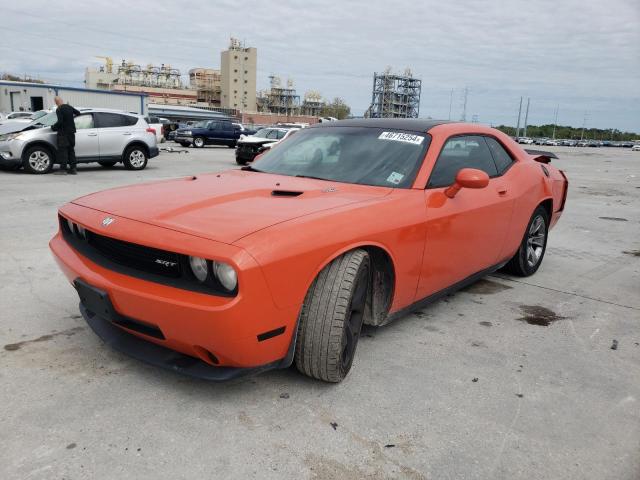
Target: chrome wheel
<point>137,158</point>
<point>536,241</point>
<point>39,161</point>
<point>199,142</point>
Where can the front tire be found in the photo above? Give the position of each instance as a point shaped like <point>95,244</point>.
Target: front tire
<point>135,158</point>
<point>529,256</point>
<point>198,142</point>
<point>38,160</point>
<point>332,316</point>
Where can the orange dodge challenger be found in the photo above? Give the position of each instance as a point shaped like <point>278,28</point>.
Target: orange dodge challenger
<point>282,261</point>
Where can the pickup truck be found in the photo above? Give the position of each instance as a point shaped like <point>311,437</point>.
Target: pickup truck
<point>209,132</point>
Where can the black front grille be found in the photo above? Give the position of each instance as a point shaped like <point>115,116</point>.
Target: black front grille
<point>146,263</point>
<point>143,258</point>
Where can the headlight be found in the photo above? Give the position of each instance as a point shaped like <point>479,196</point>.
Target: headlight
<point>226,275</point>
<point>9,136</point>
<point>199,268</point>
<point>186,132</point>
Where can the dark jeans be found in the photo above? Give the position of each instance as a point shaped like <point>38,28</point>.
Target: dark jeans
<point>66,151</point>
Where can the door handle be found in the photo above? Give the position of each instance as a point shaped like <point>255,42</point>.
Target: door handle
<point>502,190</point>
<point>127,133</point>
<point>92,134</point>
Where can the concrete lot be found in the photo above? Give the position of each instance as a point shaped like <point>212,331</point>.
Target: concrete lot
<point>464,389</point>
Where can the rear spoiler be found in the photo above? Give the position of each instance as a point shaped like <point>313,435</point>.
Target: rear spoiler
<point>541,156</point>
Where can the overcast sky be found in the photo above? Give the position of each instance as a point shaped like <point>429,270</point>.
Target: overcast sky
<point>583,55</point>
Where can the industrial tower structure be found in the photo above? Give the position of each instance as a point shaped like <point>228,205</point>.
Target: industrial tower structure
<point>283,100</point>
<point>395,96</point>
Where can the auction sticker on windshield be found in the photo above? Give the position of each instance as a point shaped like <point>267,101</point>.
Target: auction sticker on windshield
<point>401,137</point>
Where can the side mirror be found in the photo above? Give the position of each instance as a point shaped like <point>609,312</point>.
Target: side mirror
<point>467,178</point>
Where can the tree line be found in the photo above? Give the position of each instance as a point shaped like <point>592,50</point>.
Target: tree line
<point>565,131</point>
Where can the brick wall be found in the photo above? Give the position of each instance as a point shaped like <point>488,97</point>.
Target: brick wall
<point>270,118</point>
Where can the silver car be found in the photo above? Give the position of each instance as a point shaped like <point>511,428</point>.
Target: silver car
<point>102,135</point>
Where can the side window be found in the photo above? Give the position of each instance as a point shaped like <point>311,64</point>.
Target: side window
<point>113,120</point>
<point>84,121</point>
<point>213,125</point>
<point>281,134</point>
<point>130,120</point>
<point>458,153</point>
<point>500,155</point>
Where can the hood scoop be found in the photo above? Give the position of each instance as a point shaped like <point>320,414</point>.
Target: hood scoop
<point>286,193</point>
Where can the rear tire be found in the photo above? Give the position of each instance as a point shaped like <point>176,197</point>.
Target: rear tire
<point>38,160</point>
<point>135,158</point>
<point>529,256</point>
<point>332,316</point>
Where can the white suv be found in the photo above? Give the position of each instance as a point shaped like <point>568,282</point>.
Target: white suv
<point>102,135</point>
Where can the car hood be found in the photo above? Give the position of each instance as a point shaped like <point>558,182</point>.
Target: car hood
<point>256,140</point>
<point>12,126</point>
<point>227,206</point>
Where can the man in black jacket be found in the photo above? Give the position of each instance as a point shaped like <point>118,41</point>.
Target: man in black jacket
<point>65,127</point>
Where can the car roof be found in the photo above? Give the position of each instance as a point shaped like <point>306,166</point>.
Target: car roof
<point>108,110</point>
<point>411,124</point>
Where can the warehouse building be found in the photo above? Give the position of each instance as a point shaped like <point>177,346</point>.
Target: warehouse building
<point>30,97</point>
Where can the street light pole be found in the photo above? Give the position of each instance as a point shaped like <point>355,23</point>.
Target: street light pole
<point>526,117</point>
<point>519,114</point>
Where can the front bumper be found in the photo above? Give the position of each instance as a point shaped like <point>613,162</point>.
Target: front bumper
<point>9,157</point>
<point>219,331</point>
<point>10,162</point>
<point>162,357</point>
<point>183,138</point>
<point>247,153</point>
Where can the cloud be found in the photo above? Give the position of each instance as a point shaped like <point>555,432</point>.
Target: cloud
<point>583,56</point>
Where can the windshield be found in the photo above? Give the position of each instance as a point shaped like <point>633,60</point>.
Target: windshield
<point>46,120</point>
<point>262,133</point>
<point>38,114</point>
<point>362,155</point>
<point>201,124</point>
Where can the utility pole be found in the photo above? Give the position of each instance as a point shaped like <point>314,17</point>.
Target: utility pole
<point>555,121</point>
<point>465,93</point>
<point>526,117</point>
<point>450,103</point>
<point>584,123</point>
<point>519,113</point>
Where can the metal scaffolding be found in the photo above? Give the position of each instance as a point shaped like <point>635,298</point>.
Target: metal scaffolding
<point>312,104</point>
<point>395,96</point>
<point>279,99</point>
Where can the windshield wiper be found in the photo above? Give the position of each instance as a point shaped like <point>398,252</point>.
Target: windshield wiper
<point>249,168</point>
<point>312,177</point>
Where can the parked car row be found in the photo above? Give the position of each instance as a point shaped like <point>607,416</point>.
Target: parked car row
<point>573,143</point>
